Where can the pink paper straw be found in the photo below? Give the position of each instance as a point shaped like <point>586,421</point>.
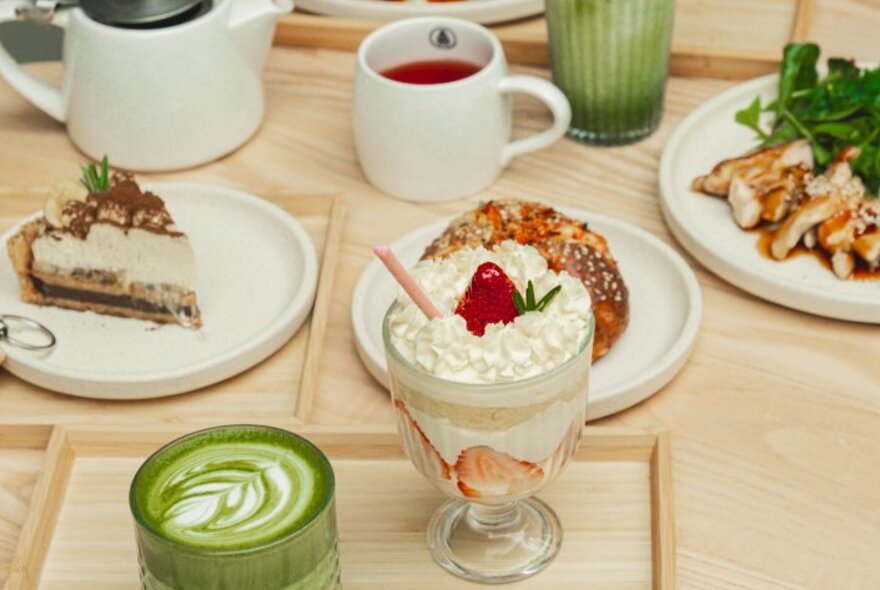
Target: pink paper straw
<point>406,281</point>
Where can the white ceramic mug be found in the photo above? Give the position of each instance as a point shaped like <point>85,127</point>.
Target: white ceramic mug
<point>442,141</point>
<point>157,99</point>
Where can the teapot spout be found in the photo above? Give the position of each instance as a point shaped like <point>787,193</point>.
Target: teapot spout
<point>252,25</point>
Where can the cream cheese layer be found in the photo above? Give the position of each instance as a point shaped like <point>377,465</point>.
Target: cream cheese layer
<point>134,255</point>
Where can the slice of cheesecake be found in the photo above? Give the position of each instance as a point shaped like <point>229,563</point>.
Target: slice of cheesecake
<point>111,249</point>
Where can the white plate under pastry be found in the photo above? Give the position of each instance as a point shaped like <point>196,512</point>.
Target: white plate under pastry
<point>704,225</point>
<point>481,11</point>
<point>665,311</point>
<point>256,279</point>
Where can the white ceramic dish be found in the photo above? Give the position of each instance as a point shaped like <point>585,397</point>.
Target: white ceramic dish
<point>665,312</point>
<point>705,227</point>
<point>481,11</point>
<point>257,275</point>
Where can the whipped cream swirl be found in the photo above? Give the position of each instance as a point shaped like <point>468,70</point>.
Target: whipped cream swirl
<point>532,344</point>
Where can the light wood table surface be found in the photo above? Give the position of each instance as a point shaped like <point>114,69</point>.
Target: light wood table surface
<point>775,421</point>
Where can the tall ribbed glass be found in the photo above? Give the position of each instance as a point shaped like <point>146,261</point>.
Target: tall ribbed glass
<point>236,507</point>
<point>611,59</point>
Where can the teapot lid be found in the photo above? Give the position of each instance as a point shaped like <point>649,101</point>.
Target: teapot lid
<point>136,12</point>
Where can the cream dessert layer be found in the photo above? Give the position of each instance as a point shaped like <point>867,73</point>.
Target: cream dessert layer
<point>123,231</point>
<point>534,439</point>
<point>133,255</point>
<point>533,344</point>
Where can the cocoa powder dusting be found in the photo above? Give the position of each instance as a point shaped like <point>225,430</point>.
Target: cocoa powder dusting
<point>125,205</point>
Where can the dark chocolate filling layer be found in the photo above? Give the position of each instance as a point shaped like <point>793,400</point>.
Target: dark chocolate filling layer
<point>119,301</point>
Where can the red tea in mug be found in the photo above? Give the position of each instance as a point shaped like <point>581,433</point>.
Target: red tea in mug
<point>438,71</point>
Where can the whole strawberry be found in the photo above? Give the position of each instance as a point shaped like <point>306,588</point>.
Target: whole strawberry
<point>488,299</point>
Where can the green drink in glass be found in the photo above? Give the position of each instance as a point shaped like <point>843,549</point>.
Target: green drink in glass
<point>611,59</point>
<point>236,507</point>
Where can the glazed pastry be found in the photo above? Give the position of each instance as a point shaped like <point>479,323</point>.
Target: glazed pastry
<point>566,243</point>
<point>114,251</point>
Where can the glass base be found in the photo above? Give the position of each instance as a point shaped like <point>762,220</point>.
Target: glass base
<point>494,544</point>
<point>605,138</point>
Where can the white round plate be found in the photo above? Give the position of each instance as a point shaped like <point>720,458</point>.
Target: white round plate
<point>257,274</point>
<point>665,310</point>
<point>481,11</point>
<point>705,227</point>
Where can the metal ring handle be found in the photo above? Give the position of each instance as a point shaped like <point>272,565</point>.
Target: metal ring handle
<point>5,332</point>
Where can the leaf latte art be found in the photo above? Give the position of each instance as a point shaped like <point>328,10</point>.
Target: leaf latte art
<point>237,494</point>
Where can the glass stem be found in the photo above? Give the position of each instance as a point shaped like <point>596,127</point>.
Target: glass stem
<point>495,519</point>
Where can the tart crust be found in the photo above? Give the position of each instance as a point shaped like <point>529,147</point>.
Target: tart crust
<point>22,257</point>
<point>21,254</point>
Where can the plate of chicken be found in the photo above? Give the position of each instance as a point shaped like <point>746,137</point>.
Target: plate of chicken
<point>795,222</point>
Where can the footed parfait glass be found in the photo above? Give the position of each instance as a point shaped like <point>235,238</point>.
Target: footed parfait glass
<point>490,448</point>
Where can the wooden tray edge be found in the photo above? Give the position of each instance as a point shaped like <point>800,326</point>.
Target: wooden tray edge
<point>39,525</point>
<point>66,442</point>
<point>662,515</point>
<point>328,32</point>
<point>309,381</point>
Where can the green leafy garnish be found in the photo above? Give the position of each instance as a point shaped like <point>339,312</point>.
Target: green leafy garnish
<point>798,73</point>
<point>528,304</point>
<point>96,182</point>
<point>833,113</point>
<point>751,117</point>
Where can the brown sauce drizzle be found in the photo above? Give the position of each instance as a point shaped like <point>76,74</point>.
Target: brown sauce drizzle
<point>861,272</point>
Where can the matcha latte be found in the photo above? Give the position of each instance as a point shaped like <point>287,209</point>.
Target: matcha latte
<point>236,507</point>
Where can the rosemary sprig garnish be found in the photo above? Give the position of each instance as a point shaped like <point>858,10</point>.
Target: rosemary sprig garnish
<point>93,181</point>
<point>528,304</point>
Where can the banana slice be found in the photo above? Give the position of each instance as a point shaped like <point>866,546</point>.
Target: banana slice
<point>59,196</point>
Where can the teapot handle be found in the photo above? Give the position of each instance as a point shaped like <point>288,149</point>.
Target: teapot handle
<point>44,96</point>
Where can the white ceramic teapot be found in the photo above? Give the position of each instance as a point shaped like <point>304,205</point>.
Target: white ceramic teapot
<point>156,98</point>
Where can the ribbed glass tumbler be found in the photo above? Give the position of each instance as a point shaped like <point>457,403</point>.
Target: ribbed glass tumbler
<point>611,59</point>
<point>239,507</point>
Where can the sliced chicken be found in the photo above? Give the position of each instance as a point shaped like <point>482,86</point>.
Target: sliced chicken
<point>838,232</point>
<point>868,247</point>
<point>836,235</point>
<point>768,160</point>
<point>768,196</point>
<point>829,212</point>
<point>811,214</point>
<point>745,203</point>
<point>786,195</point>
<point>843,263</point>
<point>810,238</point>
<point>838,179</point>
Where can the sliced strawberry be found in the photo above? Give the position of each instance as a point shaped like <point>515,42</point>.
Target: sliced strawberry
<point>488,299</point>
<point>428,459</point>
<point>484,473</point>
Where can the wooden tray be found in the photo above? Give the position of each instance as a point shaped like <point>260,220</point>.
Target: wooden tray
<point>614,499</point>
<point>271,388</point>
<point>341,369</point>
<point>708,41</point>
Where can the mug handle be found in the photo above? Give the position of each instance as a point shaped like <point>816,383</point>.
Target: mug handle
<point>551,96</point>
<point>45,97</point>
